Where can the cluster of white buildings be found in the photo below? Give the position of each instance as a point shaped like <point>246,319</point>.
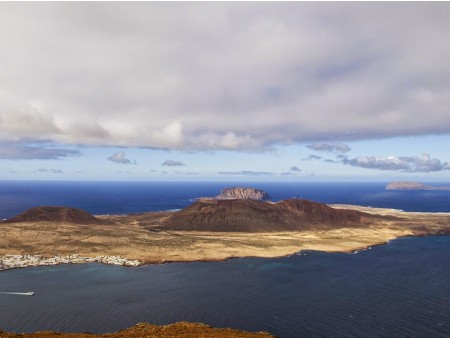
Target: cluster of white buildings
<point>22,261</point>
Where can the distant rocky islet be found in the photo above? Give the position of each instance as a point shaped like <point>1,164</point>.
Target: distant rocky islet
<point>411,185</point>
<point>241,193</point>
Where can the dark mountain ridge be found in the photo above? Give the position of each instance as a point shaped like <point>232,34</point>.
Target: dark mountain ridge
<point>259,216</point>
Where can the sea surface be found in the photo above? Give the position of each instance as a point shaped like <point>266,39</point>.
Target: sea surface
<point>401,289</point>
<point>132,197</point>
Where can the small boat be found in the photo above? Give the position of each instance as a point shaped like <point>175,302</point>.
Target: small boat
<point>29,293</point>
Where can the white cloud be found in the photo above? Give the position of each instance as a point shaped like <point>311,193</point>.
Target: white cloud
<point>120,158</point>
<point>212,76</point>
<point>417,164</point>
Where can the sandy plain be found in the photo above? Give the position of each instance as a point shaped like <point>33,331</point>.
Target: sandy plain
<point>138,237</point>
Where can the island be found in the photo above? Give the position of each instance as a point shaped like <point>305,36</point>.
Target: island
<point>180,329</point>
<point>207,230</point>
<point>243,193</point>
<point>409,185</point>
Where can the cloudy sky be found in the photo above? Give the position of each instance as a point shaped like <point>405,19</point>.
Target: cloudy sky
<point>225,91</point>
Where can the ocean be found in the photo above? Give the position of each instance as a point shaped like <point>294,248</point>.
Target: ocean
<point>401,289</point>
<point>134,197</point>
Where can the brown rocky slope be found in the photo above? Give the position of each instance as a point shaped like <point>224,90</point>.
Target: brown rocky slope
<point>145,330</point>
<point>56,215</point>
<point>259,216</point>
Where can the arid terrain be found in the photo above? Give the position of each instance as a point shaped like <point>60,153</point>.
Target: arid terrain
<point>145,330</point>
<point>156,237</point>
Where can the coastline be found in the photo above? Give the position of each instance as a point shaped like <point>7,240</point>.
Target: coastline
<point>15,261</point>
<point>8,262</point>
<point>135,240</point>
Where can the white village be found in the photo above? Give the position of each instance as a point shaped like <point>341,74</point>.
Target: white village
<point>22,261</point>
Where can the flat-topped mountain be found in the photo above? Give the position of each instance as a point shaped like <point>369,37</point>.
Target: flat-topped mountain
<point>409,185</point>
<point>243,193</point>
<point>259,216</point>
<point>56,215</point>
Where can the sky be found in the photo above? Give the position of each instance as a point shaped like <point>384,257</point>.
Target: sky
<point>225,91</point>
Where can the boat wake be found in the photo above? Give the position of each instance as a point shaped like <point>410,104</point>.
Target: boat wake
<point>30,293</point>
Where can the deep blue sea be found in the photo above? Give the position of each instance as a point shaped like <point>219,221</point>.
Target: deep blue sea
<point>401,289</point>
<point>133,197</point>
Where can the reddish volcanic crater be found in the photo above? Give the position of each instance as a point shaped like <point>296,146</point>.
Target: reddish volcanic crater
<point>260,216</point>
<point>56,215</point>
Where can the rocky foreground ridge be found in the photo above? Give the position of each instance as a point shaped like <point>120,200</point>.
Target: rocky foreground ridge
<point>146,330</point>
<point>260,216</point>
<point>410,185</point>
<point>243,193</point>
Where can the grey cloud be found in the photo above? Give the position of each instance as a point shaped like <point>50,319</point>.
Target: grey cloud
<point>185,172</point>
<point>416,164</point>
<point>312,157</point>
<point>52,171</point>
<point>22,150</point>
<point>120,158</point>
<point>172,163</point>
<point>246,173</point>
<point>140,74</point>
<point>329,147</point>
<point>294,168</point>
